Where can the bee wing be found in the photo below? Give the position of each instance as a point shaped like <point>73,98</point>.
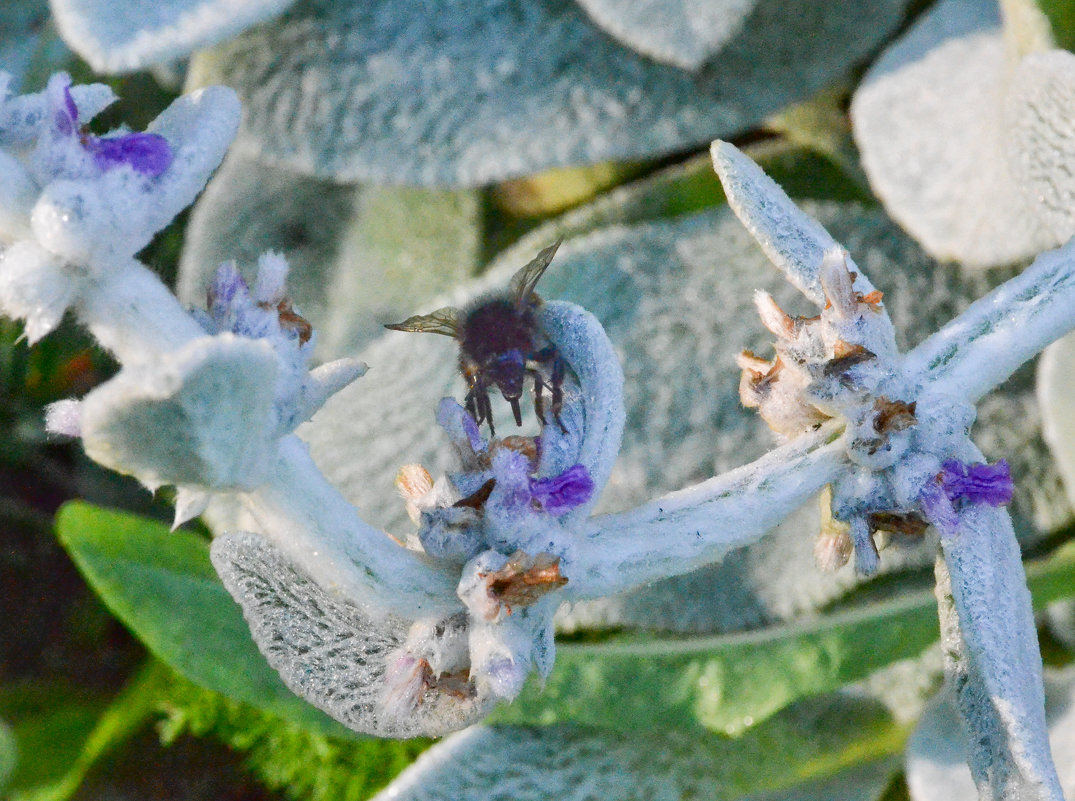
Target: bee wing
<point>523,282</point>
<point>443,321</point>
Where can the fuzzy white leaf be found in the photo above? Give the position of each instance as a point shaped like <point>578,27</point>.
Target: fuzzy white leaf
<point>1056,393</point>
<point>683,33</point>
<point>467,93</point>
<point>936,763</point>
<point>128,36</point>
<point>361,256</point>
<point>200,416</point>
<point>100,221</point>
<point>331,652</point>
<point>1040,117</point>
<point>972,160</point>
<point>34,287</point>
<point>992,657</point>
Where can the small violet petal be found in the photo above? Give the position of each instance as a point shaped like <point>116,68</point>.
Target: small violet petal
<point>512,473</point>
<point>146,153</point>
<point>67,114</point>
<point>461,428</point>
<point>977,483</point>
<point>938,508</point>
<point>474,437</point>
<point>564,492</point>
<point>228,284</point>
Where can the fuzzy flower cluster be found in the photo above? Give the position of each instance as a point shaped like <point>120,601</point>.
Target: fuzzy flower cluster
<point>843,365</point>
<point>424,634</point>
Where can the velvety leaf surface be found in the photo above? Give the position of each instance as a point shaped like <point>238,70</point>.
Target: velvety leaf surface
<point>969,149</point>
<point>130,35</point>
<point>810,744</point>
<point>22,23</point>
<point>936,754</point>
<point>676,300</point>
<point>248,208</point>
<point>466,93</point>
<point>992,658</point>
<point>360,257</point>
<point>146,574</point>
<point>683,33</point>
<point>1056,393</point>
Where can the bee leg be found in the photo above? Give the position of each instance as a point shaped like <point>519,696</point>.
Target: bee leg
<point>470,403</point>
<point>558,390</point>
<point>515,410</point>
<point>487,410</point>
<point>539,397</point>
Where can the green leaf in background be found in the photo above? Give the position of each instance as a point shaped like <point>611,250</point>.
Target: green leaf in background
<point>49,725</point>
<point>731,682</point>
<point>163,587</point>
<point>57,772</point>
<point>8,754</point>
<point>1061,16</point>
<point>816,743</point>
<point>301,763</point>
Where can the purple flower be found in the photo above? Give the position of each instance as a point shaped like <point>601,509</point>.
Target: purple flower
<point>977,483</point>
<point>227,288</point>
<point>564,492</point>
<point>145,153</point>
<point>959,483</point>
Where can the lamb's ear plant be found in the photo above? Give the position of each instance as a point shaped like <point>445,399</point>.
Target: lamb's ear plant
<point>424,634</point>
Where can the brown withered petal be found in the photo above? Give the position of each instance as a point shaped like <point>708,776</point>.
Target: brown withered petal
<point>477,499</point>
<point>892,415</point>
<point>846,356</point>
<point>457,685</point>
<point>910,524</point>
<point>873,299</point>
<point>290,320</point>
<point>527,446</point>
<point>525,579</point>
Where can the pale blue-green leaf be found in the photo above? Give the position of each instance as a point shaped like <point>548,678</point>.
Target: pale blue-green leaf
<point>144,573</point>
<point>466,93</point>
<point>794,242</point>
<point>806,749</point>
<point>360,256</point>
<point>967,148</point>
<point>1060,619</point>
<point>332,653</point>
<point>1056,394</point>
<point>202,415</point>
<point>248,208</point>
<point>131,35</point>
<point>936,761</point>
<point>683,33</point>
<point>676,300</point>
<point>1040,117</point>
<point>25,40</point>
<point>991,656</point>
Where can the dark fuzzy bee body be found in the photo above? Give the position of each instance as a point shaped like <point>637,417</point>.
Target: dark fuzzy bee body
<point>500,345</point>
